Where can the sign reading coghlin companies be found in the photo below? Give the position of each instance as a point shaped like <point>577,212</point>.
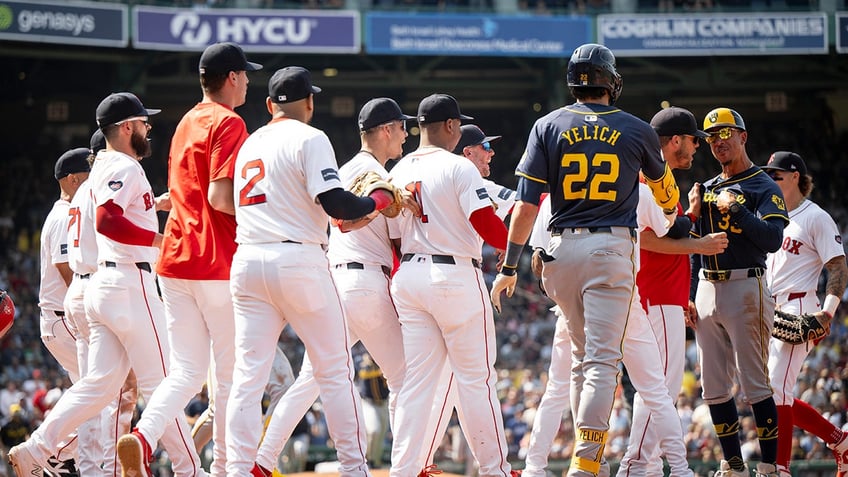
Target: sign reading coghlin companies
<point>77,23</point>
<point>463,35</point>
<point>714,34</point>
<point>177,29</point>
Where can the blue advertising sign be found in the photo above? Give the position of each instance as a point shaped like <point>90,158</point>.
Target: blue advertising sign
<point>75,23</point>
<point>841,32</point>
<point>474,35</point>
<point>714,34</point>
<point>277,31</point>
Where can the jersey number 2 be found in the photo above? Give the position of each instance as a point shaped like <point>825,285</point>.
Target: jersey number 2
<point>245,198</point>
<point>574,185</point>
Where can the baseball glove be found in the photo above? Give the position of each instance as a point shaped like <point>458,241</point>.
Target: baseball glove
<point>367,182</point>
<point>797,329</point>
<point>7,312</point>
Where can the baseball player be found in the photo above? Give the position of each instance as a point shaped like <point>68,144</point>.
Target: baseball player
<point>641,356</point>
<point>360,263</point>
<point>286,185</point>
<point>97,437</point>
<point>735,310</point>
<point>126,318</point>
<point>440,294</point>
<point>476,147</point>
<point>663,281</point>
<point>57,332</point>
<point>589,154</point>
<point>197,251</point>
<point>811,242</point>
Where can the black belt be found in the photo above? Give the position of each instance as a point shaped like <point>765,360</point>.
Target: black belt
<point>441,259</point>
<point>87,275</point>
<point>139,265</point>
<point>359,266</point>
<point>724,275</point>
<point>290,241</point>
<point>58,313</point>
<point>556,231</point>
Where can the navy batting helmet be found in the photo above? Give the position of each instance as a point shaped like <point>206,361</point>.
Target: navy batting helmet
<point>593,66</point>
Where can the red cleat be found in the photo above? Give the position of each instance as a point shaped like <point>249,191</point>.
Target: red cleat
<point>135,454</point>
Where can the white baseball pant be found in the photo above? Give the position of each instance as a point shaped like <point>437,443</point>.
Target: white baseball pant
<point>274,284</point>
<point>785,360</point>
<point>198,312</point>
<point>127,329</point>
<point>643,453</point>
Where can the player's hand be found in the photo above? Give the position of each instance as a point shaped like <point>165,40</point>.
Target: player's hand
<point>695,200</point>
<point>163,202</point>
<point>690,315</point>
<point>712,244</point>
<point>536,263</point>
<point>502,282</point>
<point>725,199</point>
<point>409,203</point>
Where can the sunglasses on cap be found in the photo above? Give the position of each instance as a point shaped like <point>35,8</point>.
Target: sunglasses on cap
<point>486,146</point>
<point>724,134</point>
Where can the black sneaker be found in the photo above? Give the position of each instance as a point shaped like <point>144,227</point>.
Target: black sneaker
<point>60,468</point>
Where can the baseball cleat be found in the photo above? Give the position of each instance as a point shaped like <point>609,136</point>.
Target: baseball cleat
<point>429,471</point>
<point>134,454</point>
<point>840,453</point>
<point>60,468</point>
<point>771,470</point>
<point>725,471</point>
<point>23,462</point>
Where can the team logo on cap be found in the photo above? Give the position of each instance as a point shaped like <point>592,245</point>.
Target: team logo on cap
<point>713,117</point>
<point>115,185</point>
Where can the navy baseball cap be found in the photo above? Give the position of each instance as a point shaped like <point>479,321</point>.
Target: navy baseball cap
<point>71,162</point>
<point>786,161</point>
<point>290,84</point>
<point>472,135</point>
<point>674,121</point>
<point>380,111</point>
<point>225,57</point>
<point>119,106</point>
<point>97,141</point>
<point>439,107</point>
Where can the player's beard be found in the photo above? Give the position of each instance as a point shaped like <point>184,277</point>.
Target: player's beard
<point>141,145</point>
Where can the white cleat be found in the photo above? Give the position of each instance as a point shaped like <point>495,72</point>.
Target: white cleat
<point>23,462</point>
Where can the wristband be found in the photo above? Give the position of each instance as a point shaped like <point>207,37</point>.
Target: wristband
<point>830,304</point>
<point>508,271</point>
<point>513,254</point>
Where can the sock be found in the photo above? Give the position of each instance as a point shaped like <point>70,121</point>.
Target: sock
<point>765,415</point>
<point>807,418</point>
<point>726,424</point>
<point>784,432</point>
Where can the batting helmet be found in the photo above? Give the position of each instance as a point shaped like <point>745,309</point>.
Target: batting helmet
<point>721,117</point>
<point>7,312</point>
<point>593,66</point>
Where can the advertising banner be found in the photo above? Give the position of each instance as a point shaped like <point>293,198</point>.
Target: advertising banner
<point>841,32</point>
<point>474,35</point>
<point>69,23</point>
<point>276,31</point>
<point>714,34</point>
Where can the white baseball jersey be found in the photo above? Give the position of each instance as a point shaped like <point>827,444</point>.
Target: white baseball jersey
<point>370,244</point>
<point>82,244</point>
<point>450,176</point>
<point>539,235</point>
<point>650,215</point>
<point>121,179</point>
<point>296,170</point>
<point>809,241</point>
<point>54,249</point>
<point>502,198</point>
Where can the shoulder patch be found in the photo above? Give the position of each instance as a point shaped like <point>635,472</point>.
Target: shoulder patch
<point>838,239</point>
<point>63,248</point>
<point>115,185</point>
<point>778,201</point>
<point>504,193</point>
<point>482,194</point>
<point>330,174</point>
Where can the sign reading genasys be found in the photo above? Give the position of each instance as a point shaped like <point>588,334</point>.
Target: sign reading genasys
<point>77,23</point>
